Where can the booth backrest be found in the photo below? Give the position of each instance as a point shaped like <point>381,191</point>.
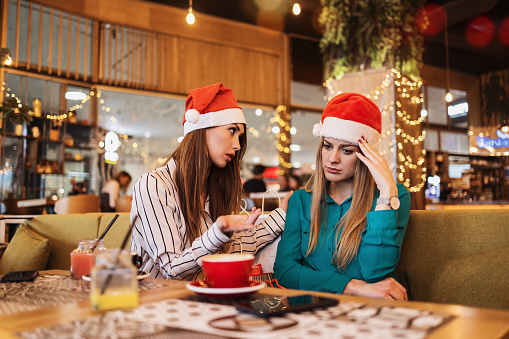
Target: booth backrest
<point>123,204</point>
<point>117,232</point>
<point>65,231</point>
<point>458,257</point>
<point>80,203</point>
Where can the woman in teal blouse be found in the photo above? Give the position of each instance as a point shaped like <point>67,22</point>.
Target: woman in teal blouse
<point>344,231</point>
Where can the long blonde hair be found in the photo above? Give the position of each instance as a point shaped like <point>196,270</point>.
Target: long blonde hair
<point>197,177</point>
<point>354,220</point>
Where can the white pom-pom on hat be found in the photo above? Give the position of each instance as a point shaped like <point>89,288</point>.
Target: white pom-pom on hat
<point>192,116</point>
<point>316,129</point>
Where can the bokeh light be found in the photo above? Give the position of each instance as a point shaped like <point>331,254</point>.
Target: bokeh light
<point>430,19</point>
<point>480,31</point>
<point>503,33</point>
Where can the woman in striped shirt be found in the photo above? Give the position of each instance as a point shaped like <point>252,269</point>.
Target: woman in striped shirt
<point>182,211</point>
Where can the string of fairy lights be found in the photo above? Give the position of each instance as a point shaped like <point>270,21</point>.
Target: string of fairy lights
<point>93,92</point>
<point>12,95</point>
<point>282,118</point>
<point>404,87</point>
<point>72,110</point>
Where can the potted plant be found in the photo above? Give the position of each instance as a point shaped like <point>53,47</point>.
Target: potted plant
<point>12,110</point>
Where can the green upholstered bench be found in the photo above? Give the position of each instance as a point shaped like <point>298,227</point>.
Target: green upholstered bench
<point>54,237</point>
<point>449,256</point>
<point>457,257</point>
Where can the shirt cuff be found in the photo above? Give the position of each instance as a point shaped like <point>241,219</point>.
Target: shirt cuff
<point>214,238</point>
<point>382,220</point>
<point>336,284</point>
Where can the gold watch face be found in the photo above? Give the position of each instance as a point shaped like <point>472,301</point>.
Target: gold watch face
<point>394,202</point>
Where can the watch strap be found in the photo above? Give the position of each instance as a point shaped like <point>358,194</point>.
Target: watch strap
<point>383,201</point>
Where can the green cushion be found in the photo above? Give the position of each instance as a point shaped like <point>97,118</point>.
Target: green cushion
<point>27,251</point>
<point>117,232</point>
<point>478,280</point>
<point>64,231</point>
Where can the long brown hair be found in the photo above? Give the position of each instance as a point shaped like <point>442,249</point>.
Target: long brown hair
<point>197,177</point>
<point>354,220</point>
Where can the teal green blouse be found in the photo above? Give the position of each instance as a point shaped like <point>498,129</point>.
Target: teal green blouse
<point>376,259</point>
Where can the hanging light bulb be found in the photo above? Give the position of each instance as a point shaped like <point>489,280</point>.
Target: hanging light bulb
<point>8,61</point>
<point>448,97</point>
<point>190,16</point>
<point>505,127</point>
<point>296,8</point>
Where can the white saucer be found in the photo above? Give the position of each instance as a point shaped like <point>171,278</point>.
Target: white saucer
<point>201,287</point>
<point>140,276</point>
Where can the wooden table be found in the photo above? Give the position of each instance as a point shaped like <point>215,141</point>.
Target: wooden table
<point>469,322</point>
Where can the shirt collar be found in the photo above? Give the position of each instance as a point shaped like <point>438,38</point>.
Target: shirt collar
<point>331,201</point>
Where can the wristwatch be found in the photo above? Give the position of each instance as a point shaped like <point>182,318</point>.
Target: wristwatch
<point>392,201</point>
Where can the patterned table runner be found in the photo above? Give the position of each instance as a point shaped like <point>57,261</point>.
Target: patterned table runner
<point>192,319</point>
<point>47,290</point>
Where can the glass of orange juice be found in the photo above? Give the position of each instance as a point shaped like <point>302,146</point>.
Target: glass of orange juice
<point>114,283</point>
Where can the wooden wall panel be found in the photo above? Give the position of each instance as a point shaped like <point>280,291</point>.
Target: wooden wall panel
<point>251,75</point>
<point>171,20</point>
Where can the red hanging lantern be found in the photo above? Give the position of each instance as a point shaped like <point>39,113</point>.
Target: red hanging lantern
<point>503,33</point>
<point>430,19</point>
<point>480,31</point>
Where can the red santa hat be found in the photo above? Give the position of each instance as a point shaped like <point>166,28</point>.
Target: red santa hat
<point>211,106</point>
<point>348,117</point>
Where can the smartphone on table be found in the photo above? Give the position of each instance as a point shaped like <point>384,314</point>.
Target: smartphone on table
<point>270,305</point>
<point>19,276</point>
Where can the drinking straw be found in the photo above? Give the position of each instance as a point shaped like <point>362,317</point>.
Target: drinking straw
<point>105,231</point>
<point>124,242</point>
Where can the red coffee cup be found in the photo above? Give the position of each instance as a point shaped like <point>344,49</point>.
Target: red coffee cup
<point>228,270</point>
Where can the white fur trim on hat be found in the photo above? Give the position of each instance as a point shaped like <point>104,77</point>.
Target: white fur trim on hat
<point>192,116</point>
<point>349,130</point>
<point>214,119</point>
<point>316,129</point>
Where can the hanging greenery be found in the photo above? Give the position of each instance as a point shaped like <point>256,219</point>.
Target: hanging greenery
<point>5,56</point>
<point>362,34</point>
<point>11,109</point>
<point>494,96</point>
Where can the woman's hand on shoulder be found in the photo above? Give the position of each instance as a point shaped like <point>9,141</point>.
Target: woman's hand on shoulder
<point>379,169</point>
<point>388,288</point>
<point>238,223</point>
<point>284,203</point>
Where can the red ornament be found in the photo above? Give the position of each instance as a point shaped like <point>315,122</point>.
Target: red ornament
<point>430,19</point>
<point>480,31</point>
<point>503,33</point>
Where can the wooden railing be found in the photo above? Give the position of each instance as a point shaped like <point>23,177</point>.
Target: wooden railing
<point>55,42</point>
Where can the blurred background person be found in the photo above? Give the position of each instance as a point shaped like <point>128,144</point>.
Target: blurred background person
<point>256,183</point>
<point>284,183</point>
<point>112,189</point>
<point>295,182</point>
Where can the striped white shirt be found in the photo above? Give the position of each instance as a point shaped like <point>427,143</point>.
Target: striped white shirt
<point>159,232</point>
